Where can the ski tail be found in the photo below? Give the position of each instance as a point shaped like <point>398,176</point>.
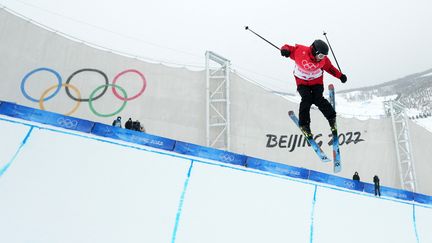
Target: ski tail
<point>337,164</point>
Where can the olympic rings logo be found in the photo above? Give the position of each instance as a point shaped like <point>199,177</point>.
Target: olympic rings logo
<point>226,157</point>
<point>308,65</point>
<point>77,94</point>
<point>349,184</point>
<point>68,123</point>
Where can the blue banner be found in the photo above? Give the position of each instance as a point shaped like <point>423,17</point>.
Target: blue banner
<point>133,136</point>
<point>45,117</point>
<point>276,168</point>
<point>390,192</point>
<point>209,153</point>
<point>421,198</point>
<point>335,180</point>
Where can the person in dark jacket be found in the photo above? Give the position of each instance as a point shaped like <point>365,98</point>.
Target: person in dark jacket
<point>377,185</point>
<point>117,122</point>
<point>136,125</point>
<point>356,176</point>
<point>128,124</point>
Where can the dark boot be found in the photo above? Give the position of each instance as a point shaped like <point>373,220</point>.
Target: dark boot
<point>306,131</point>
<point>333,126</point>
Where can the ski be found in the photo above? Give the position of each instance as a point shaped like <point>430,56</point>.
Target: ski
<point>337,164</point>
<point>311,141</point>
<point>332,96</point>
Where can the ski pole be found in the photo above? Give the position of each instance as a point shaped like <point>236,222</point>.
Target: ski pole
<point>331,49</point>
<point>247,28</point>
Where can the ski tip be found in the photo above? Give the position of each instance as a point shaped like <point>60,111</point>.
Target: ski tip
<point>290,113</point>
<point>331,86</point>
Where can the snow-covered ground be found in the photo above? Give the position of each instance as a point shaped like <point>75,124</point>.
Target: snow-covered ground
<point>425,122</point>
<point>363,110</point>
<point>427,74</point>
<point>48,195</point>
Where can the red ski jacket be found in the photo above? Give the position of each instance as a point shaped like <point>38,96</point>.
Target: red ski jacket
<point>308,71</point>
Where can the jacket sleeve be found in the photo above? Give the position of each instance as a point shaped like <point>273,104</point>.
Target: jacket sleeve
<point>328,67</point>
<point>290,48</point>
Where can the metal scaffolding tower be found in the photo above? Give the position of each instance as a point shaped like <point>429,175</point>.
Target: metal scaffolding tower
<point>403,144</point>
<point>218,101</point>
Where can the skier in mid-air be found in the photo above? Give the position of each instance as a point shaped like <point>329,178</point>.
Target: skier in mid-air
<point>310,61</point>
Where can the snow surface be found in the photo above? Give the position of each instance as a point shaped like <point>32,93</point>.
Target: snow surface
<point>427,74</point>
<point>129,193</point>
<point>363,110</point>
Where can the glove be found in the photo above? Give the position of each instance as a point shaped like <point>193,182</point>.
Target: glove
<point>285,52</point>
<point>343,78</point>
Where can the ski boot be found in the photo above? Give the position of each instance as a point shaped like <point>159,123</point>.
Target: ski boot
<point>306,131</point>
<point>333,126</point>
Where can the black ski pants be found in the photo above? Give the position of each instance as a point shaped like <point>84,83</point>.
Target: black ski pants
<point>377,190</point>
<point>313,95</point>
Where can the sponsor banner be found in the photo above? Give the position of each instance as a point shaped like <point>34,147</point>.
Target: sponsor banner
<point>133,136</point>
<point>294,142</point>
<point>424,199</point>
<point>276,168</point>
<point>209,153</point>
<point>45,117</point>
<point>390,192</point>
<point>335,180</point>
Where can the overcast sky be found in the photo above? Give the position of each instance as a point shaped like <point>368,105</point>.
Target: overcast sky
<point>374,41</point>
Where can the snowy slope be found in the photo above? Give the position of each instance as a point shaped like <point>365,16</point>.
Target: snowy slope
<point>369,109</point>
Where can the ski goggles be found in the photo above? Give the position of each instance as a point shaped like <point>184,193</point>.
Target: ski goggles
<point>320,56</point>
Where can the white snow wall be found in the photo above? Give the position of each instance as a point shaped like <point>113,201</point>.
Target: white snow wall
<point>171,103</point>
<point>60,185</point>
